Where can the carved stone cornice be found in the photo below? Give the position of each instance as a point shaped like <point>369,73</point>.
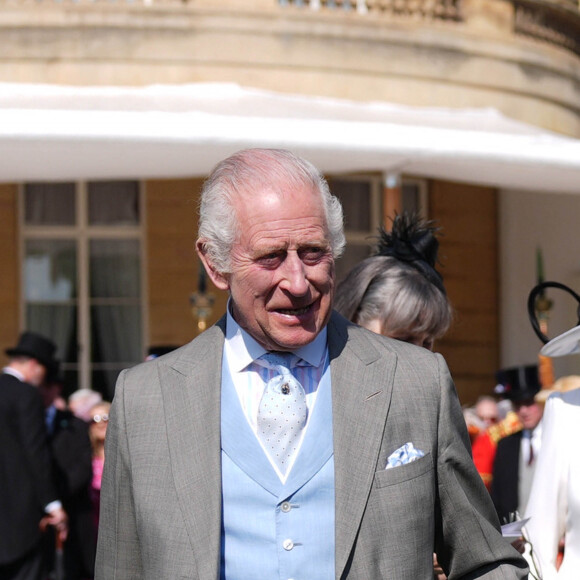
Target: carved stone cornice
<point>447,10</point>
<point>558,24</point>
<point>552,21</point>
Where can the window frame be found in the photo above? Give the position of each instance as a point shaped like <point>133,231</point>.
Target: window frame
<point>362,238</point>
<point>82,233</point>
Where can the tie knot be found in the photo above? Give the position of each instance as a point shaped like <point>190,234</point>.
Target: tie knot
<point>278,360</point>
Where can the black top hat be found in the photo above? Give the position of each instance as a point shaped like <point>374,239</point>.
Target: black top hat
<point>518,383</point>
<point>36,346</point>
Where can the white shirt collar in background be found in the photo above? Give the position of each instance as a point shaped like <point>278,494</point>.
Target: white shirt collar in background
<point>14,373</point>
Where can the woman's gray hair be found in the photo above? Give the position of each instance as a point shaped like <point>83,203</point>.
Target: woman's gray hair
<point>254,170</point>
<point>396,294</point>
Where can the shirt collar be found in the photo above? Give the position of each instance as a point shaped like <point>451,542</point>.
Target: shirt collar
<point>243,349</point>
<point>535,433</point>
<point>14,373</point>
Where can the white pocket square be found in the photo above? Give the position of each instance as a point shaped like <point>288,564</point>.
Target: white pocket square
<point>404,455</point>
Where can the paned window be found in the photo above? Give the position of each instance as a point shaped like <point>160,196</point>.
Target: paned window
<point>362,202</point>
<point>82,276</point>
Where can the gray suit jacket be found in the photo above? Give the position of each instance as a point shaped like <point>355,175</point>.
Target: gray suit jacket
<point>161,496</point>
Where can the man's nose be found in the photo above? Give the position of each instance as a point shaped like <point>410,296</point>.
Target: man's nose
<point>294,275</point>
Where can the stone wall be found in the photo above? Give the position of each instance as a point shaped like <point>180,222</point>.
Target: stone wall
<point>172,264</point>
<point>469,255</point>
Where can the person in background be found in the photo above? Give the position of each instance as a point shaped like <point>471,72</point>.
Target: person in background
<point>553,529</point>
<point>516,455</point>
<point>484,445</point>
<point>27,492</point>
<point>398,292</point>
<point>475,425</point>
<point>486,409</point>
<point>98,431</point>
<point>481,416</point>
<point>82,401</point>
<point>202,478</point>
<point>70,448</point>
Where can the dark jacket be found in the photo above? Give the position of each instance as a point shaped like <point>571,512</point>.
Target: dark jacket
<point>506,471</point>
<point>26,481</point>
<point>72,465</point>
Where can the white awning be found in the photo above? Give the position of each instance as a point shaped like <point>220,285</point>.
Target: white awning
<point>50,132</point>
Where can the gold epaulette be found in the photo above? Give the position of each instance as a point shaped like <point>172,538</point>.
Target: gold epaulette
<point>511,424</point>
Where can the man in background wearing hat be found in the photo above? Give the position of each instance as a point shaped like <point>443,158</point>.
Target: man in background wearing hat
<point>516,455</point>
<point>28,495</point>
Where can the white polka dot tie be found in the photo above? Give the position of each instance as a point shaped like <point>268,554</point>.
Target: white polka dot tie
<point>282,413</point>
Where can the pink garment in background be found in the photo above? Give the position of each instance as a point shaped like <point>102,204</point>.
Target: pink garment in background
<point>98,463</point>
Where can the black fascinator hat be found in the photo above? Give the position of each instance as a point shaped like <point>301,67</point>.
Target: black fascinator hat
<point>413,240</point>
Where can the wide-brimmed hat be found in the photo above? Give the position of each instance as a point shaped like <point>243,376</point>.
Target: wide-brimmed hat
<point>518,383</point>
<point>566,343</point>
<point>38,347</point>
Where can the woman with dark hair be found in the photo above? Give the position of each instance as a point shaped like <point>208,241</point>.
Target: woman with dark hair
<point>398,292</point>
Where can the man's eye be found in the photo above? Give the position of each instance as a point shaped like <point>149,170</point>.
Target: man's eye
<point>270,260</point>
<point>312,255</point>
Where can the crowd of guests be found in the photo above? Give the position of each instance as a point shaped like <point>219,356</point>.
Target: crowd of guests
<point>51,462</point>
<point>519,448</point>
<point>52,455</point>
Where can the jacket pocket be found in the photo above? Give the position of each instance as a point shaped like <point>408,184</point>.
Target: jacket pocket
<point>396,475</point>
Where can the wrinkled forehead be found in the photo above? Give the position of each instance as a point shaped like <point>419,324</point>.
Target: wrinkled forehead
<point>280,217</point>
<point>278,197</point>
<point>281,182</point>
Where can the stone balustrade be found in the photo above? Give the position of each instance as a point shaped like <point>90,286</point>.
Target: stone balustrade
<point>435,9</point>
<point>556,22</point>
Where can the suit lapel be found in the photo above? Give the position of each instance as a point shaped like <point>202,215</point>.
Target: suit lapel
<point>362,382</point>
<point>191,395</point>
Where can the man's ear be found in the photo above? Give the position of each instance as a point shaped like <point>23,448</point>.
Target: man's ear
<point>220,280</point>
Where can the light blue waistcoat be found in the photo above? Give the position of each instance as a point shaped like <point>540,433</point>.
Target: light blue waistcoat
<point>272,530</point>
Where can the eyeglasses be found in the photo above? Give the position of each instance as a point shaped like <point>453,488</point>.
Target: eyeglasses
<point>100,418</point>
